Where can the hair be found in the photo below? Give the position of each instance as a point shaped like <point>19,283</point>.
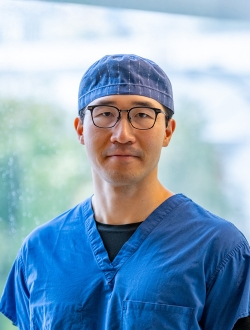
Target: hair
<point>82,114</point>
<point>169,112</point>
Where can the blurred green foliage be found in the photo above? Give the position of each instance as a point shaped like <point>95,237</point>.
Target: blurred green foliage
<point>44,171</point>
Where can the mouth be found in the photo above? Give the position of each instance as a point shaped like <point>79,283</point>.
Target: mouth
<point>121,153</point>
<point>122,157</point>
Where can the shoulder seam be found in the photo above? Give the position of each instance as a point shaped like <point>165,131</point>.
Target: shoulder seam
<point>20,259</point>
<point>226,259</point>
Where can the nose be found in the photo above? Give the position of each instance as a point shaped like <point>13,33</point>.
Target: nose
<point>123,132</point>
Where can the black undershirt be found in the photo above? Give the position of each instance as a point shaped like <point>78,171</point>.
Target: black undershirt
<point>242,324</point>
<point>115,236</point>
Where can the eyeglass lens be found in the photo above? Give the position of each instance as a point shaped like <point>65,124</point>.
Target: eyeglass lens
<point>107,116</point>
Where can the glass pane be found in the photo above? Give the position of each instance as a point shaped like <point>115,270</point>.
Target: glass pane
<point>45,48</point>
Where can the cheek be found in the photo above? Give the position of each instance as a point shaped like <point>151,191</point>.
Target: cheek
<point>155,145</point>
<point>155,141</point>
<point>89,134</point>
<point>94,141</point>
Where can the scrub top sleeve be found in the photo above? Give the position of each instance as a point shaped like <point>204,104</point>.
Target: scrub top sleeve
<point>228,290</point>
<point>14,302</point>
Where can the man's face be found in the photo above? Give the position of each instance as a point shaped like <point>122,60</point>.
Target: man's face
<point>123,155</point>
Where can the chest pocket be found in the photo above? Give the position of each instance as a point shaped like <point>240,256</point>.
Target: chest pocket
<point>150,316</point>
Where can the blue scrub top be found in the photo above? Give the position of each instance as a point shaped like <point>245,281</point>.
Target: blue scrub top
<point>183,268</point>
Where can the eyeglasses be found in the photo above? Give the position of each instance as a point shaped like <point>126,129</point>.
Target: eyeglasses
<point>107,116</point>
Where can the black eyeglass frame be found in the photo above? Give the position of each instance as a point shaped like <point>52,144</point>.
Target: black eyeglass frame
<point>92,107</point>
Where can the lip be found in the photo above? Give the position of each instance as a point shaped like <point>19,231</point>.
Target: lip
<point>122,158</point>
<point>122,155</point>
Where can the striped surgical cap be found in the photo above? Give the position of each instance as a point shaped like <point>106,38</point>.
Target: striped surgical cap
<point>125,74</point>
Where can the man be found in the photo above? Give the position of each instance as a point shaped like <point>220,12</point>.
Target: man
<point>134,255</point>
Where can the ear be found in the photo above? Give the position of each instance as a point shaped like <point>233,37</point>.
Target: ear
<point>79,129</point>
<point>169,132</point>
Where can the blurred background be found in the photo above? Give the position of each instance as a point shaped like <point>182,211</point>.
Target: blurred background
<point>45,48</point>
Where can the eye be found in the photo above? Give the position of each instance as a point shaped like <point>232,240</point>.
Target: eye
<point>142,115</point>
<point>104,111</point>
<point>106,114</point>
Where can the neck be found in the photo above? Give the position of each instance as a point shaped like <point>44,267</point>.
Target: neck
<point>126,204</point>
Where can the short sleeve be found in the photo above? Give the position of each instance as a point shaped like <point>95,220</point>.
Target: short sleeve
<point>228,290</point>
<point>14,302</point>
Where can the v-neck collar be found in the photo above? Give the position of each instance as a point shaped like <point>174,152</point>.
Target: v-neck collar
<point>146,227</point>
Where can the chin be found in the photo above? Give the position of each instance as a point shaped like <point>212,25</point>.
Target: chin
<point>122,179</point>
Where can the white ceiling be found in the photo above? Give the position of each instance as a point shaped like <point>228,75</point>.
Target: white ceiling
<point>223,9</point>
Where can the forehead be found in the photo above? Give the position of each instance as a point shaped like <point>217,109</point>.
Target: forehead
<point>127,101</point>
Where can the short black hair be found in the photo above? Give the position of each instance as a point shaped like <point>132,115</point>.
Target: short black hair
<point>169,114</point>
